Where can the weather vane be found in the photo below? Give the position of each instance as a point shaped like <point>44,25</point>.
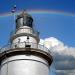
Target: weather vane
<point>14,10</point>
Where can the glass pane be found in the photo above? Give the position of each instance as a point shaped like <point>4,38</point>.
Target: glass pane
<point>20,22</point>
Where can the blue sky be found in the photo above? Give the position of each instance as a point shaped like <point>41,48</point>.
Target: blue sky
<point>52,18</point>
<point>57,5</point>
<point>49,24</point>
<point>59,24</point>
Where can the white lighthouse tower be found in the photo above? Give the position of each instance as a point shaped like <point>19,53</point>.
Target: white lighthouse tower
<point>24,55</point>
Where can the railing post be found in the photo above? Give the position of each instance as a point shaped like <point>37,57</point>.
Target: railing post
<point>25,43</point>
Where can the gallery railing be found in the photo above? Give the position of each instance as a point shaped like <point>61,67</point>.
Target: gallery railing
<point>24,45</point>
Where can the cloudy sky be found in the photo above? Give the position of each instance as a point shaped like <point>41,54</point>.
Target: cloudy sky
<point>55,20</point>
<point>63,55</point>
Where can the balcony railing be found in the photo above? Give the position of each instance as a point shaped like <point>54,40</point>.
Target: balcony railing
<point>24,45</point>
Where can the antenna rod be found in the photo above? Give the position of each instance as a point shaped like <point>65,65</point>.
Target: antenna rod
<point>13,13</point>
<point>14,10</point>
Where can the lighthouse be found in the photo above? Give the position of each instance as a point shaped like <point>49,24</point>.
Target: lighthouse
<point>24,55</point>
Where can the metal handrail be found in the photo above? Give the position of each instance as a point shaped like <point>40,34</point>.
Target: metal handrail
<point>23,45</point>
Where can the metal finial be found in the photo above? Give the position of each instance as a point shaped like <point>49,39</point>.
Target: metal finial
<point>24,12</point>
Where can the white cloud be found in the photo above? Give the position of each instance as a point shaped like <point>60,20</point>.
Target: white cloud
<point>50,42</point>
<point>65,72</point>
<point>64,56</point>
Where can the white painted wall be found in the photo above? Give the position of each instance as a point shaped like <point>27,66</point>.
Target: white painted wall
<point>24,65</point>
<point>24,29</point>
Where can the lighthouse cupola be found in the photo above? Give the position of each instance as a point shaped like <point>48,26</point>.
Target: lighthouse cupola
<point>24,19</point>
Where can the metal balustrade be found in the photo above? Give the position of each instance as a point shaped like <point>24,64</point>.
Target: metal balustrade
<point>23,45</point>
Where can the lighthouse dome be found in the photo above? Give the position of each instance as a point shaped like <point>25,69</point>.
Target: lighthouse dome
<point>24,19</point>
